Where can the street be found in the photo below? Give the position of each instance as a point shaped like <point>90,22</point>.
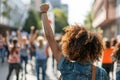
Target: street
<point>50,75</point>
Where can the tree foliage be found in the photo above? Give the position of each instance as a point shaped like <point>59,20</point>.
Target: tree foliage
<point>60,20</point>
<point>7,9</point>
<point>32,20</point>
<point>88,21</point>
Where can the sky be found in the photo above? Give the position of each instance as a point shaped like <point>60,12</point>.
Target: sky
<point>26,1</point>
<point>78,9</point>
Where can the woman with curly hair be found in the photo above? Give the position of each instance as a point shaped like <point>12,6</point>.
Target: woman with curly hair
<point>80,49</point>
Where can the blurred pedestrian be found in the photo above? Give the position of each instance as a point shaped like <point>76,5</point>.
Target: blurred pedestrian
<point>80,48</point>
<point>41,57</point>
<point>24,53</point>
<point>107,62</point>
<point>32,47</point>
<point>14,57</point>
<point>2,48</point>
<point>113,42</point>
<point>23,50</point>
<point>116,58</point>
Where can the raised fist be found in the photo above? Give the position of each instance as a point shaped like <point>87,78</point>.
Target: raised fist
<point>32,27</point>
<point>44,8</point>
<point>18,32</point>
<point>37,31</point>
<point>7,33</point>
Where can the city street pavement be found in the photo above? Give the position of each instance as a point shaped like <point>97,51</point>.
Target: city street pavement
<point>51,74</point>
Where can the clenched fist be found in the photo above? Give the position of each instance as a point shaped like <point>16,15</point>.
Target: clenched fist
<point>32,27</point>
<point>44,8</point>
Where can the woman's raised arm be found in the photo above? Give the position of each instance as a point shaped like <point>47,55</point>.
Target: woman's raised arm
<point>49,33</point>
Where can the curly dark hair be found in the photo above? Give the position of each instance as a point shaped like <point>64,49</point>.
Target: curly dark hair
<point>78,44</point>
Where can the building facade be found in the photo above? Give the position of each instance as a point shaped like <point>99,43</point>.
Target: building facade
<point>106,15</point>
<point>35,4</point>
<point>58,4</point>
<point>12,14</point>
<point>55,3</point>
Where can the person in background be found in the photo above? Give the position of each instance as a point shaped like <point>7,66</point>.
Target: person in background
<point>116,58</point>
<point>2,48</point>
<point>40,49</point>
<point>24,52</point>
<point>113,42</point>
<point>7,49</point>
<point>107,62</point>
<point>14,57</point>
<point>41,57</point>
<point>23,49</point>
<point>80,49</point>
<point>32,47</point>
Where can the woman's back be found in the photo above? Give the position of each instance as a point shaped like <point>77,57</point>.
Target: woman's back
<point>40,52</point>
<point>79,71</point>
<point>14,56</point>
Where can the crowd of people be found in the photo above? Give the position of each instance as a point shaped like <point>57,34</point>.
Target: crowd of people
<point>77,54</point>
<point>19,49</point>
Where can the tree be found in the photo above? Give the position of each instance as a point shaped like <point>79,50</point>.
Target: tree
<point>32,20</point>
<point>88,21</point>
<point>7,9</point>
<point>60,20</point>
